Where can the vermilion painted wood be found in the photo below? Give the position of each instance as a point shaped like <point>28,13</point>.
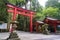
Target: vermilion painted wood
<point>10,11</point>
<point>22,13</point>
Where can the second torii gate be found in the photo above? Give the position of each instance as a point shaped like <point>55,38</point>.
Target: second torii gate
<point>17,10</point>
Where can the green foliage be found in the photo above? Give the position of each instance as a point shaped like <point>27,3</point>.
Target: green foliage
<point>36,6</point>
<point>14,1</point>
<point>55,10</point>
<point>3,12</point>
<point>39,16</point>
<point>53,3</point>
<point>52,12</point>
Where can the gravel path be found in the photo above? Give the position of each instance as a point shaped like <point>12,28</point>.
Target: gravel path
<point>31,36</point>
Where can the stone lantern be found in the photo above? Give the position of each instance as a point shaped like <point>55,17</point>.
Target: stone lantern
<point>13,34</point>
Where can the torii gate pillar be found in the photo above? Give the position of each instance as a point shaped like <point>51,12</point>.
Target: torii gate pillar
<point>31,28</point>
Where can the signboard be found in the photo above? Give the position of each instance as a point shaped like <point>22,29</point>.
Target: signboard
<point>58,27</point>
<point>3,26</point>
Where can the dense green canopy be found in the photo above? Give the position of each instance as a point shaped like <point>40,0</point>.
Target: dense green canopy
<point>3,12</point>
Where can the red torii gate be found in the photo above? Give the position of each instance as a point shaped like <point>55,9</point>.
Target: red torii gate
<point>17,10</point>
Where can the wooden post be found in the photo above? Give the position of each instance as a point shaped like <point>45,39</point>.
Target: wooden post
<point>31,28</point>
<point>36,27</point>
<point>55,27</point>
<point>14,14</point>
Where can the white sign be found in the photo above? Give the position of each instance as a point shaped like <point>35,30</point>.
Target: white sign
<point>3,26</point>
<point>58,25</point>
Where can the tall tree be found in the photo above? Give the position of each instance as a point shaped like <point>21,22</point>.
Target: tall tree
<point>3,11</point>
<point>26,18</point>
<point>53,3</point>
<point>14,1</point>
<point>36,6</point>
<point>20,17</point>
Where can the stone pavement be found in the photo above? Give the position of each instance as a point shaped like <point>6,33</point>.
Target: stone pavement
<point>31,36</point>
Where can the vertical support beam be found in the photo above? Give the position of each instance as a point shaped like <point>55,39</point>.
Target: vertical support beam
<point>31,28</point>
<point>14,14</point>
<point>36,27</point>
<point>55,27</point>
